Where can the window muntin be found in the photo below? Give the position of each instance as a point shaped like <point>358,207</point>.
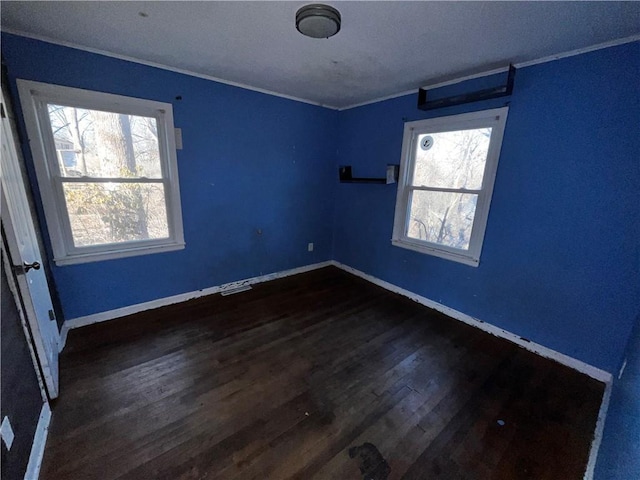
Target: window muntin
<point>448,167</point>
<point>107,171</point>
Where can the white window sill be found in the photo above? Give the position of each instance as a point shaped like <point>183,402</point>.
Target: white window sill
<point>114,254</point>
<point>436,252</point>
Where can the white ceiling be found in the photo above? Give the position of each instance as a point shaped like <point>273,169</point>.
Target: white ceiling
<point>384,48</point>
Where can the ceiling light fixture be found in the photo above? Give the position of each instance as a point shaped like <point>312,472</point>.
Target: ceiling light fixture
<point>318,21</point>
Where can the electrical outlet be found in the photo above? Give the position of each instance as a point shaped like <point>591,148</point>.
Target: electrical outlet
<point>310,247</point>
<point>7,432</point>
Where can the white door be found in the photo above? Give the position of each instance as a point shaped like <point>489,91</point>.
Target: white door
<point>25,256</point>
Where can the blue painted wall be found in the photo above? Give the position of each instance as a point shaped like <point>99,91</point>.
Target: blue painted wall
<point>560,263</point>
<point>619,454</point>
<point>560,258</point>
<point>250,161</point>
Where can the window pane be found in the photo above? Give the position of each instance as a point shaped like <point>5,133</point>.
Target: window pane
<point>104,144</point>
<point>115,212</point>
<point>444,218</point>
<point>451,159</point>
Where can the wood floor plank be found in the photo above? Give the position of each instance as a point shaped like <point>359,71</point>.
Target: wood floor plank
<point>280,381</point>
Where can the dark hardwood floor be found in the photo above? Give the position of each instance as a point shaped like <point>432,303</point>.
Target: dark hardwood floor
<point>281,381</point>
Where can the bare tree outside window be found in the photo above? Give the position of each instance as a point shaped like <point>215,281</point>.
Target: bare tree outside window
<point>454,161</point>
<point>121,149</point>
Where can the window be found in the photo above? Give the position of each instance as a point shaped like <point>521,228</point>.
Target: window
<point>107,171</point>
<point>447,171</point>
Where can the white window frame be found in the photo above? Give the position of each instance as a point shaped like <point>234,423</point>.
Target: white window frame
<point>494,118</point>
<point>34,97</point>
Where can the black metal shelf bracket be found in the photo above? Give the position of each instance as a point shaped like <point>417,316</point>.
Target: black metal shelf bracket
<point>487,94</point>
<point>346,175</point>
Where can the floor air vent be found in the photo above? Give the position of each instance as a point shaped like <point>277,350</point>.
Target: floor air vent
<point>232,290</point>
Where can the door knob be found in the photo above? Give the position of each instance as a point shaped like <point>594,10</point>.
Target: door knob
<point>25,267</point>
<point>29,266</point>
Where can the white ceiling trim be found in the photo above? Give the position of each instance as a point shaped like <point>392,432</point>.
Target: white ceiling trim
<point>379,99</point>
<point>161,66</point>
<point>550,58</point>
<point>530,63</point>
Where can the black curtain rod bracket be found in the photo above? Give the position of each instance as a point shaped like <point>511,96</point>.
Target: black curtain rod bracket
<point>487,94</point>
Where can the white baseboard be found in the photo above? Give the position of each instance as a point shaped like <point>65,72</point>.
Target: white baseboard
<point>183,297</point>
<point>39,441</point>
<point>64,331</point>
<point>541,350</point>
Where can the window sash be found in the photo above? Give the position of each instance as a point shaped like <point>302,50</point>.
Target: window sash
<point>51,157</point>
<point>85,249</point>
<point>438,246</point>
<point>416,133</point>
